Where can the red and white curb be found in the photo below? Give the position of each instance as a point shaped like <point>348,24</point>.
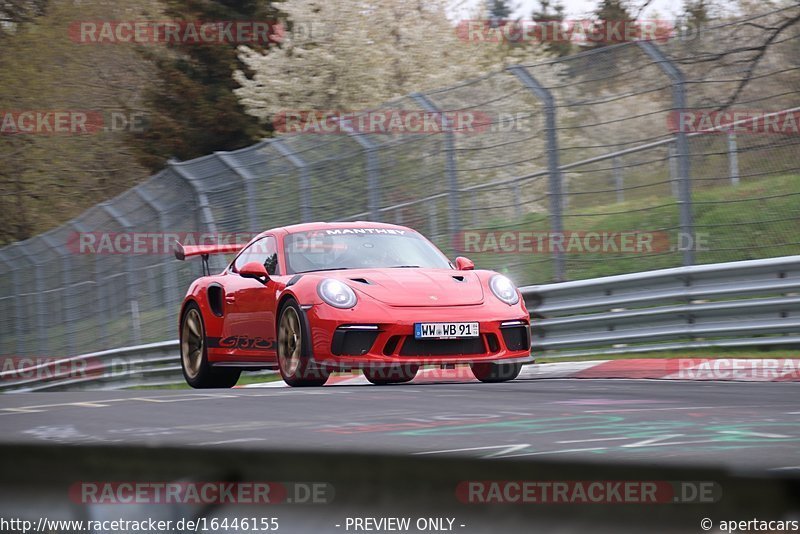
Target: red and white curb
<point>720,369</point>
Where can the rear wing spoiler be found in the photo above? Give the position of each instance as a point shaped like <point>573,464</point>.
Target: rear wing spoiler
<point>182,252</point>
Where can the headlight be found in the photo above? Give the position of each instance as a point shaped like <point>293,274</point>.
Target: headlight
<point>504,289</point>
<point>336,293</point>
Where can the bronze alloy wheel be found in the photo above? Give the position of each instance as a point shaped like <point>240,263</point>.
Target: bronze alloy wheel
<point>295,362</point>
<point>192,343</point>
<point>197,370</point>
<point>289,341</point>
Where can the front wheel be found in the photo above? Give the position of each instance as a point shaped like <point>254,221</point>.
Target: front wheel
<point>496,372</point>
<point>294,361</point>
<point>197,371</point>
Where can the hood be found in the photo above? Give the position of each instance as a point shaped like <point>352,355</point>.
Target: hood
<point>415,287</point>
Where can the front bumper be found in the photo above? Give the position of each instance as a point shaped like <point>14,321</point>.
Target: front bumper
<point>381,336</point>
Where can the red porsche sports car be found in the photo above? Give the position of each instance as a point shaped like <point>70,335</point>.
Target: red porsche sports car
<point>315,298</point>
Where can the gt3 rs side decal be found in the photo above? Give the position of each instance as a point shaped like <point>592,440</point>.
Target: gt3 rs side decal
<point>241,343</point>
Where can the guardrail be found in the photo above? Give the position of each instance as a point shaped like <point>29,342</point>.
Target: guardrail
<point>153,364</point>
<point>746,303</point>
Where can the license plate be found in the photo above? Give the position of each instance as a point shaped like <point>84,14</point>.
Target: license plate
<point>445,330</point>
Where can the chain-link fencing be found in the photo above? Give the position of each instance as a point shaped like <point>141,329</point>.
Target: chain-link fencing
<point>610,161</point>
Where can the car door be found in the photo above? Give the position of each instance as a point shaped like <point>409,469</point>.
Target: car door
<point>249,328</point>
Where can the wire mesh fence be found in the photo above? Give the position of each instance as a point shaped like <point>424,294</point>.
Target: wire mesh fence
<point>606,162</point>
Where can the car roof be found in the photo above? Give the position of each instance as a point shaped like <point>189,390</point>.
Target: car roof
<point>307,227</point>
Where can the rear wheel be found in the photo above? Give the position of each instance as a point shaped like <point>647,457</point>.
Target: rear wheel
<point>294,361</point>
<point>391,375</point>
<point>197,371</point>
<point>496,372</point>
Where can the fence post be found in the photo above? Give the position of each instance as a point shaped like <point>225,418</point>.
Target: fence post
<point>517,192</point>
<point>250,194</point>
<point>130,283</point>
<point>101,315</point>
<point>373,170</point>
<point>733,159</point>
<point>170,280</point>
<point>451,169</point>
<point>40,306</point>
<point>681,145</point>
<point>206,215</point>
<point>619,181</point>
<point>305,178</point>
<point>673,170</point>
<point>18,329</point>
<point>66,269</point>
<point>434,223</point>
<point>556,194</point>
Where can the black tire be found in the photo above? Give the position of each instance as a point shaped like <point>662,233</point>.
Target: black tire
<point>399,374</point>
<point>294,352</point>
<point>496,372</point>
<point>194,354</point>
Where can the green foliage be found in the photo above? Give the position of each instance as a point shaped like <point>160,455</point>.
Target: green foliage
<point>499,9</point>
<point>192,108</point>
<point>696,13</point>
<point>609,11</point>
<point>757,219</point>
<point>47,179</point>
<point>553,13</point>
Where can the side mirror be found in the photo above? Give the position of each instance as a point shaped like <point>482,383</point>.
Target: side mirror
<point>255,270</point>
<point>464,264</point>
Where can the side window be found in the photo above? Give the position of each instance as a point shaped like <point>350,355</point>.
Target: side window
<point>264,251</point>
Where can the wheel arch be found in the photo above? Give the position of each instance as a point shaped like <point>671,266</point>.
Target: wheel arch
<point>307,343</point>
<point>186,303</point>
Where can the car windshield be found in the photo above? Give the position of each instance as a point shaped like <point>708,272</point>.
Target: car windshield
<point>360,248</point>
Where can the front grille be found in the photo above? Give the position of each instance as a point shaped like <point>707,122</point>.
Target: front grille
<point>494,344</point>
<point>441,347</point>
<point>353,342</point>
<point>516,337</point>
<point>388,349</point>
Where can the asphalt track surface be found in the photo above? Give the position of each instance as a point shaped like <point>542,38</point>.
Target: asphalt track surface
<point>748,426</point>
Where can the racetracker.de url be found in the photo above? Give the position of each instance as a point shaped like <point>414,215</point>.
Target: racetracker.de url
<point>44,525</point>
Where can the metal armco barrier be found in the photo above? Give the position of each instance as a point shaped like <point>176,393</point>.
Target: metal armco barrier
<point>738,304</point>
<point>152,364</point>
<point>747,303</point>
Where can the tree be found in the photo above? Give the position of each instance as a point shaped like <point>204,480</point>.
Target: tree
<point>46,179</point>
<point>16,12</point>
<point>192,108</point>
<point>551,17</point>
<point>696,13</point>
<point>609,12</point>
<point>499,10</point>
<point>364,52</point>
